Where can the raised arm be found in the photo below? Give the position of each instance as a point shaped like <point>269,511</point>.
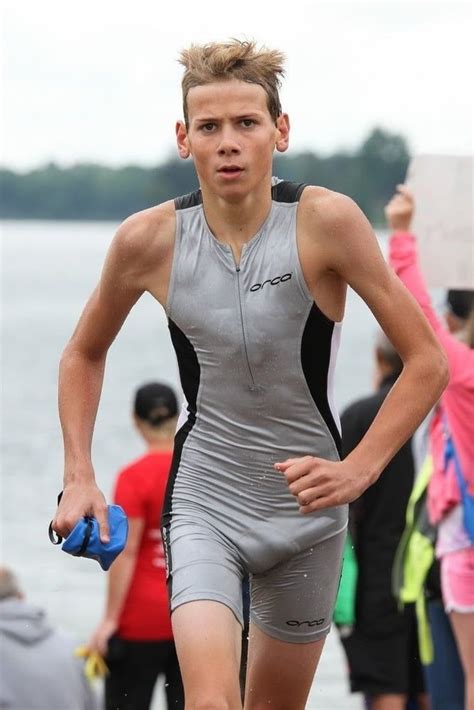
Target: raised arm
<point>347,246</point>
<point>403,257</point>
<point>126,274</point>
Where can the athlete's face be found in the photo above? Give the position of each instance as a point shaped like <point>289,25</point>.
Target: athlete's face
<point>231,136</point>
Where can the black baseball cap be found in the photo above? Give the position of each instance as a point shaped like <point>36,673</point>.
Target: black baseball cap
<point>155,403</point>
<point>460,303</point>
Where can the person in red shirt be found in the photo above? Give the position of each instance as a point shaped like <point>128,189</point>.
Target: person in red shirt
<point>135,633</point>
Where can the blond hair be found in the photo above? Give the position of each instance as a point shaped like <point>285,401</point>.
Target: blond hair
<point>242,60</point>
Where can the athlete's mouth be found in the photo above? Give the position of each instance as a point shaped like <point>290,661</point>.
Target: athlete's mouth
<point>230,169</point>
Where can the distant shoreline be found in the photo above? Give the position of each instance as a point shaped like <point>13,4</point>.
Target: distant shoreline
<point>90,192</point>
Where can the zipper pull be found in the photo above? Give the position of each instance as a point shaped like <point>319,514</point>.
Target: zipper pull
<point>237,268</point>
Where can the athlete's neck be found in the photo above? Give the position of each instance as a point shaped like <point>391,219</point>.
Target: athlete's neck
<point>236,222</point>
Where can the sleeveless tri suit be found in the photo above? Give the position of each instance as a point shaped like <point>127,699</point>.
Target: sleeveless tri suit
<point>256,359</point>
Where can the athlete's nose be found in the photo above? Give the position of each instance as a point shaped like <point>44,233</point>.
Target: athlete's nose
<point>228,144</point>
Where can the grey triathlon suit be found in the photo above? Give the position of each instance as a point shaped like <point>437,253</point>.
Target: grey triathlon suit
<point>256,360</point>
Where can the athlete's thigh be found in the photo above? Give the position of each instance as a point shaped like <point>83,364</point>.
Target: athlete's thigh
<point>208,641</point>
<point>294,600</point>
<point>279,673</point>
<point>203,564</point>
<point>291,614</point>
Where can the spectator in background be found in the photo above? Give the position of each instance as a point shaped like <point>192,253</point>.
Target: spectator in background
<point>412,579</point>
<point>38,669</point>
<point>381,647</point>
<point>135,633</point>
<point>453,417</point>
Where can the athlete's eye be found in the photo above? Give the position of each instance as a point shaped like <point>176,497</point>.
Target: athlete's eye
<point>207,127</point>
<point>247,122</point>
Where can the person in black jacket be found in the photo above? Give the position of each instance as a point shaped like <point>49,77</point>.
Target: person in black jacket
<point>381,647</point>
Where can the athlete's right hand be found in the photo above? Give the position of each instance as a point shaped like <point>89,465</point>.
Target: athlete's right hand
<point>78,500</point>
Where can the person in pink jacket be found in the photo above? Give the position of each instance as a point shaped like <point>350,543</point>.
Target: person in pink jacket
<point>455,412</point>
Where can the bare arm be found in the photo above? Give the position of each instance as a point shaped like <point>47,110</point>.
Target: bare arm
<point>123,280</point>
<point>424,375</point>
<point>403,257</point>
<point>119,579</point>
<point>351,251</point>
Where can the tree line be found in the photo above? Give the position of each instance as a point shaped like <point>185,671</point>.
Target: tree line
<point>88,191</point>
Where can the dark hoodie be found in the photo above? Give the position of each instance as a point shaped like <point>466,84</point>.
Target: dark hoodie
<point>38,670</point>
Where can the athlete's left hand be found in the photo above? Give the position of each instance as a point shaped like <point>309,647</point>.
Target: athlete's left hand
<point>318,483</point>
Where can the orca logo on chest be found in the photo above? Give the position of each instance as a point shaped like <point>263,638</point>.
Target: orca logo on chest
<point>273,282</point>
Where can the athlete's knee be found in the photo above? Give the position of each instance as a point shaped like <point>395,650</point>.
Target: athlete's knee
<point>213,701</point>
<point>273,703</point>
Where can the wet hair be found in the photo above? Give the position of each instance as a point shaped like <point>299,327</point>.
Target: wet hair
<point>235,59</point>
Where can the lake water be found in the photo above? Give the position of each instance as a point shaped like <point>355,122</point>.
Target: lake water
<point>48,270</point>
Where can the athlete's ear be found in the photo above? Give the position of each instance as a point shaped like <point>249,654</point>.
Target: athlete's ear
<point>283,132</point>
<point>182,140</point>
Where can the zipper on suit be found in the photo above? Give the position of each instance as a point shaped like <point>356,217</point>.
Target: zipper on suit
<point>244,338</point>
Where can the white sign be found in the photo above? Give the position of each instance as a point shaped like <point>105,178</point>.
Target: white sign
<point>443,222</point>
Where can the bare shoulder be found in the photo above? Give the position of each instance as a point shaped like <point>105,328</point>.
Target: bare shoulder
<point>336,227</point>
<point>141,253</point>
<point>145,234</point>
<point>330,213</point>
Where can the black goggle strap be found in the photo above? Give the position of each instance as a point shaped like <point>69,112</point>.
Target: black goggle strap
<point>54,537</point>
<point>57,539</point>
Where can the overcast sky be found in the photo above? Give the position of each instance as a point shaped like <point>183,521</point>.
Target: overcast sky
<point>98,80</point>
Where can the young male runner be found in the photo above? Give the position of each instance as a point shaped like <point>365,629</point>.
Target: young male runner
<point>252,276</point>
